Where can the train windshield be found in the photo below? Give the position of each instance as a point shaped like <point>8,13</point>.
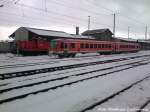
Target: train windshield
<point>53,44</point>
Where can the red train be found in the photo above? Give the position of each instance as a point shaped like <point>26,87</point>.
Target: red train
<point>31,47</point>
<point>70,47</point>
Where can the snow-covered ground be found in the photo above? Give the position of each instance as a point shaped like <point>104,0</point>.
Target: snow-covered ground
<point>73,98</point>
<point>131,99</point>
<point>53,62</point>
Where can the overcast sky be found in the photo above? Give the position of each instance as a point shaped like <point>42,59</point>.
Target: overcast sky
<point>65,15</point>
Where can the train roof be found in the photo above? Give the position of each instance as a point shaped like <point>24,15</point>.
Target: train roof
<point>87,40</point>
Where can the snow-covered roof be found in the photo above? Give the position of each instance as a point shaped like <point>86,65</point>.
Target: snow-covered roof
<point>52,33</point>
<point>145,41</point>
<point>96,31</point>
<point>44,32</point>
<point>127,39</point>
<point>82,37</point>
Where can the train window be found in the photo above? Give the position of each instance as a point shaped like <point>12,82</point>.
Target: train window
<point>82,45</point>
<point>109,45</point>
<point>91,45</point>
<point>95,45</point>
<point>66,45</point>
<point>103,45</point>
<point>99,45</point>
<point>72,45</point>
<point>61,45</point>
<point>121,46</point>
<point>87,45</point>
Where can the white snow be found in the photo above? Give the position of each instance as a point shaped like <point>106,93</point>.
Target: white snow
<point>75,97</point>
<point>58,74</point>
<point>67,61</point>
<point>131,99</point>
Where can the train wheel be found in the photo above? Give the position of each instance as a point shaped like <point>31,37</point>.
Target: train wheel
<point>60,56</point>
<point>73,55</point>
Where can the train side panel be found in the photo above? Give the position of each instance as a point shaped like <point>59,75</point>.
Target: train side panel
<point>33,46</point>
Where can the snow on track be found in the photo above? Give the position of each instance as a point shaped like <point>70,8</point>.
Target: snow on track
<point>148,106</point>
<point>71,61</point>
<point>75,97</point>
<point>64,73</point>
<point>26,90</point>
<point>130,100</point>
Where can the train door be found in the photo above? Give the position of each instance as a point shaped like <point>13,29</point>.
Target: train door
<point>114,48</point>
<point>53,45</point>
<point>72,47</point>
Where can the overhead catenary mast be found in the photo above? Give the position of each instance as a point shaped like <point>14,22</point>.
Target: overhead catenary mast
<point>89,22</point>
<point>114,24</point>
<point>128,32</point>
<point>146,33</point>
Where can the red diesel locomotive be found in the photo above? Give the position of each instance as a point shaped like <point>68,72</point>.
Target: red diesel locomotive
<point>70,47</point>
<point>31,47</point>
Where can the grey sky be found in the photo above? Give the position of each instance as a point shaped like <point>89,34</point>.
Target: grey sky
<point>64,15</point>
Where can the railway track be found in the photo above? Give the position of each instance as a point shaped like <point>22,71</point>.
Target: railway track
<point>104,100</point>
<point>27,64</point>
<point>52,69</point>
<point>132,65</point>
<point>68,76</point>
<point>41,63</point>
<point>143,106</point>
<point>66,73</point>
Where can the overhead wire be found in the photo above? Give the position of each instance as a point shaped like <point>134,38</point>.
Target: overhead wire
<point>56,13</point>
<point>48,12</point>
<point>79,8</point>
<point>111,11</point>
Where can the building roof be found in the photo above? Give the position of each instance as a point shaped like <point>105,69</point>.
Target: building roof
<point>97,31</point>
<point>143,40</point>
<point>52,33</point>
<point>82,37</point>
<point>126,39</point>
<point>43,32</point>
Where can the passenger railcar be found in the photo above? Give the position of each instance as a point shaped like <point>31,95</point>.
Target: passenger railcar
<point>70,47</point>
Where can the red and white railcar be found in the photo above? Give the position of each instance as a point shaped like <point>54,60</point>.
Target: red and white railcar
<point>70,47</point>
